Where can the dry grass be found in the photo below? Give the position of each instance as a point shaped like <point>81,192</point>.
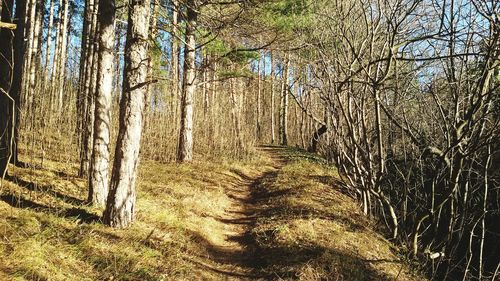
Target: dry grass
<point>308,230</point>
<point>47,233</point>
<point>304,228</point>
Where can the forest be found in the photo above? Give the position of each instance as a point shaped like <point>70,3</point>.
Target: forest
<point>250,140</point>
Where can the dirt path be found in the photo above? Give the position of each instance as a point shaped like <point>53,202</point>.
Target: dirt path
<point>238,256</point>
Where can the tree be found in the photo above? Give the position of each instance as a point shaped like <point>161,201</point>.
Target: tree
<point>17,79</point>
<point>258,113</point>
<point>273,106</point>
<point>6,101</point>
<point>88,76</point>
<point>34,54</point>
<point>120,205</point>
<point>174,61</point>
<point>48,46</point>
<point>63,57</point>
<point>99,163</point>
<point>284,102</point>
<point>185,147</point>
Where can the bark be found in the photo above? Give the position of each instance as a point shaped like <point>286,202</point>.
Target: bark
<point>259,106</point>
<point>17,79</point>
<point>118,68</point>
<point>273,106</point>
<point>121,201</point>
<point>284,104</point>
<point>235,114</point>
<point>99,162</point>
<point>81,100</point>
<point>6,103</point>
<point>30,33</point>
<point>175,58</point>
<point>33,53</point>
<point>213,132</point>
<point>56,59</point>
<point>185,148</point>
<point>48,49</point>
<point>206,85</point>
<point>89,86</point>
<point>36,68</point>
<point>152,57</point>
<point>380,147</point>
<point>63,56</point>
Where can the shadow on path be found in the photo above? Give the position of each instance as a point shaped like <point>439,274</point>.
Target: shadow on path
<point>243,258</point>
<point>240,257</point>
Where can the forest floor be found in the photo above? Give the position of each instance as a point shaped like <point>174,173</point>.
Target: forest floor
<point>280,215</point>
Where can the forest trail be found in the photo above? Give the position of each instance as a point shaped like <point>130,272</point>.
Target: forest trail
<point>292,222</point>
<point>238,254</point>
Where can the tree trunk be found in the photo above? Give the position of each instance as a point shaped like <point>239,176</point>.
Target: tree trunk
<point>63,56</point>
<point>273,106</point>
<point>33,54</point>
<point>118,67</point>
<point>174,68</point>
<point>284,104</point>
<point>81,100</point>
<point>205,83</point>
<point>235,114</point>
<point>6,102</point>
<point>88,90</point>
<point>30,35</point>
<point>152,58</point>
<point>120,207</point>
<point>380,147</point>
<point>48,49</point>
<point>56,59</point>
<point>185,148</point>
<point>17,79</point>
<point>99,162</point>
<point>258,128</point>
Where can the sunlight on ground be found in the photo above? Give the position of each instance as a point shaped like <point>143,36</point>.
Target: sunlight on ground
<point>319,232</point>
<point>304,229</point>
<point>48,234</point>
